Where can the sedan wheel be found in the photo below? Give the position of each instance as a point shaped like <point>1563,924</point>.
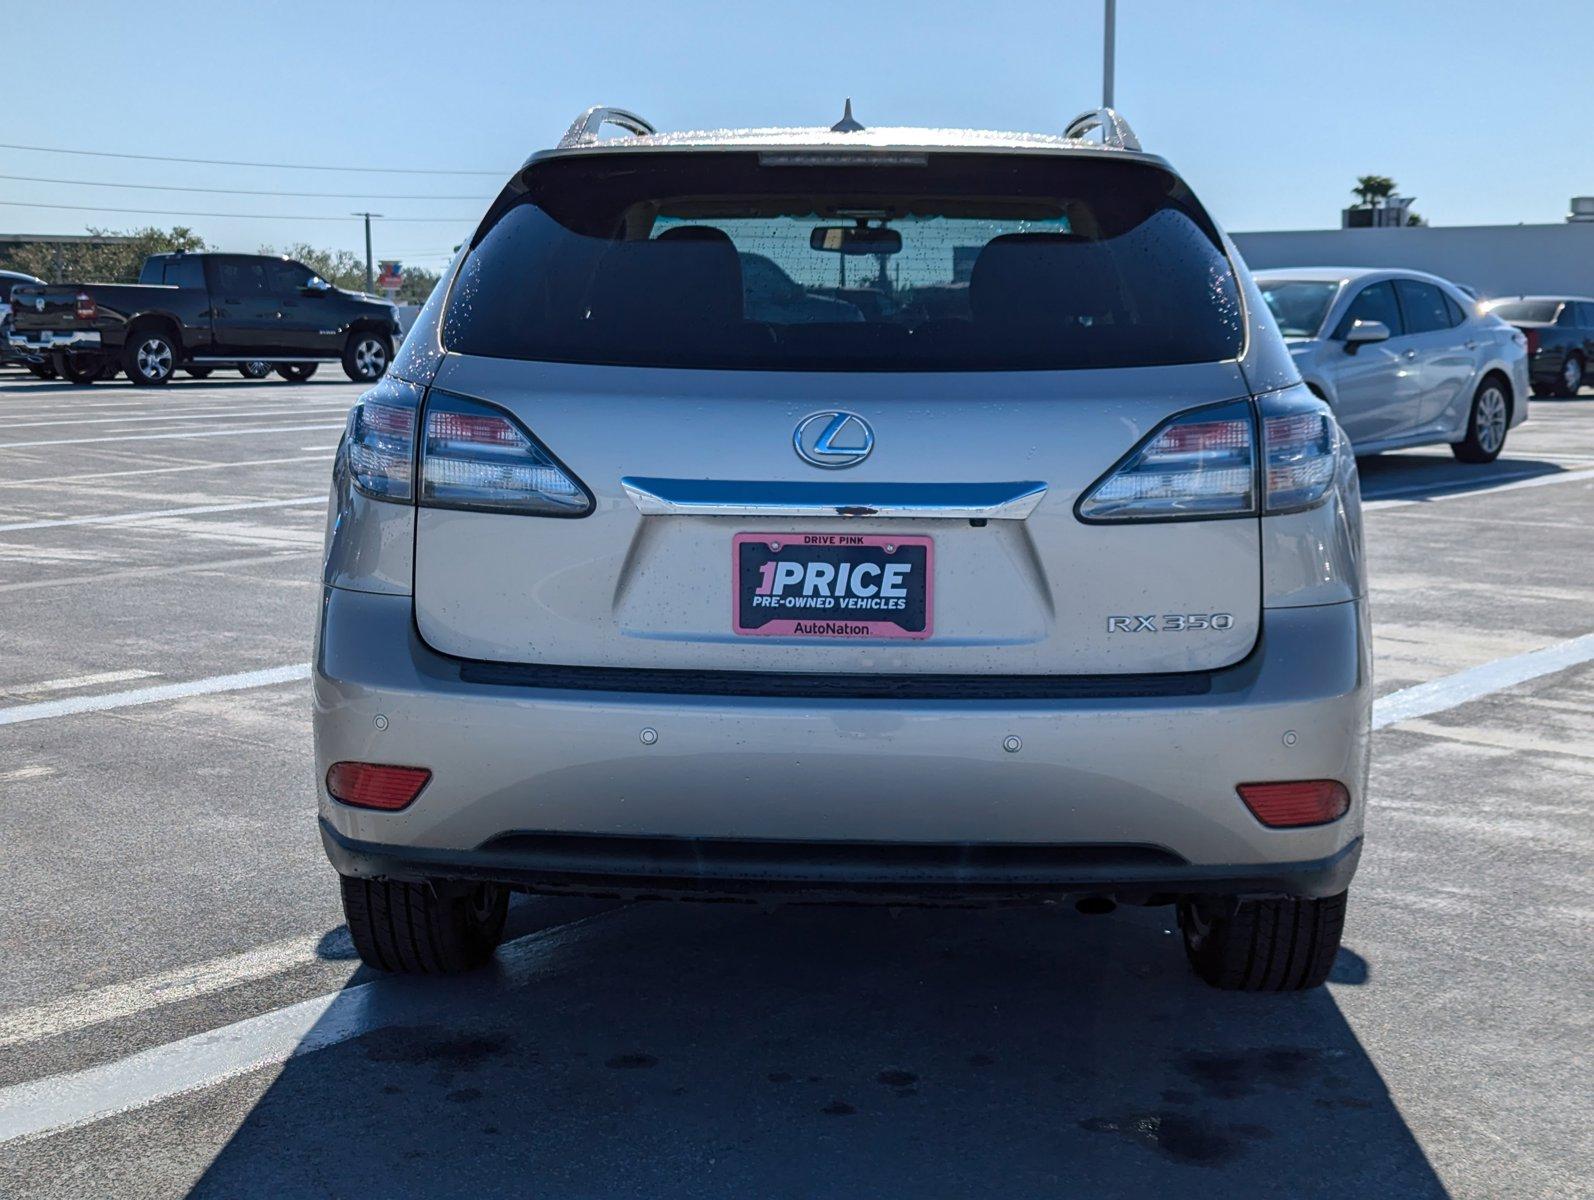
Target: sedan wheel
<point>1491,412</point>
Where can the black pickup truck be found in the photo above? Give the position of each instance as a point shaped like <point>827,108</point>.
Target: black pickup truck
<point>201,311</point>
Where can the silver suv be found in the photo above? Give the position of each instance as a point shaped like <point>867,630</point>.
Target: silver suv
<point>1011,563</point>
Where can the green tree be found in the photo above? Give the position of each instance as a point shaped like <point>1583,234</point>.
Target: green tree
<point>417,286</point>
<point>117,262</point>
<point>1370,189</point>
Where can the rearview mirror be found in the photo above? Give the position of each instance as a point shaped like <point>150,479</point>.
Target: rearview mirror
<point>854,239</point>
<point>1362,332</point>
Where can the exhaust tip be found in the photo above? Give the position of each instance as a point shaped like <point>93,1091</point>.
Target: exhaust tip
<point>1095,906</point>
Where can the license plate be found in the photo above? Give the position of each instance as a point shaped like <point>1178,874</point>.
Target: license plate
<point>832,586</point>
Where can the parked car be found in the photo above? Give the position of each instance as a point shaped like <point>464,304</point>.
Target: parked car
<point>1059,596</point>
<point>9,280</point>
<point>1403,358</point>
<point>202,311</point>
<point>1560,338</point>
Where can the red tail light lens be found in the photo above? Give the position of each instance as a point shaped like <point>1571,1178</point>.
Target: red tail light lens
<point>87,310</point>
<point>371,785</point>
<point>1533,340</point>
<point>1290,805</point>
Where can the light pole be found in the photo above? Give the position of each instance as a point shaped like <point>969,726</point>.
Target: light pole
<point>370,280</point>
<point>1108,36</point>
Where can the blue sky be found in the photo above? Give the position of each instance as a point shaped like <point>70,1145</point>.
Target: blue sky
<point>1484,112</point>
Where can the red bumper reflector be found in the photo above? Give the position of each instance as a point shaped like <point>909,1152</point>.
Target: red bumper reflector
<point>1307,802</point>
<point>370,785</point>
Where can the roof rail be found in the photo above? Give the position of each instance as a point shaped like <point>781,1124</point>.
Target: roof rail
<point>584,130</point>
<point>1115,131</point>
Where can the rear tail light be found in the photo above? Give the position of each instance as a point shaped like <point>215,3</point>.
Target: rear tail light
<point>1199,464</point>
<point>372,785</point>
<point>1532,336</point>
<point>1292,805</point>
<point>87,310</point>
<point>476,456</point>
<point>381,440</point>
<point>1301,456</point>
<point>1203,463</point>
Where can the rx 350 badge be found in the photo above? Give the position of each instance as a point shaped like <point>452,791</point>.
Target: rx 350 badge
<point>1170,623</point>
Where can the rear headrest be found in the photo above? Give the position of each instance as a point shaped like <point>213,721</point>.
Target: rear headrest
<point>1048,278</point>
<point>671,281</point>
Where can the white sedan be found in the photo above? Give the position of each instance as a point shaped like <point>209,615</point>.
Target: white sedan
<point>1404,358</point>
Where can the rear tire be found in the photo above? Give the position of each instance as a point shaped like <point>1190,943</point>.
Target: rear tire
<point>150,357</point>
<point>81,369</point>
<point>1487,424</point>
<point>296,372</point>
<point>438,928</point>
<point>1280,945</point>
<point>42,370</point>
<point>254,369</point>
<point>366,356</point>
<point>1571,380</point>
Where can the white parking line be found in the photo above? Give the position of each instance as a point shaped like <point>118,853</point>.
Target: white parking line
<point>100,578</point>
<point>318,410</point>
<point>75,681</point>
<point>194,511</point>
<point>1424,493</point>
<point>243,680</point>
<point>59,1102</point>
<point>160,437</point>
<point>1453,690</point>
<point>81,1010</point>
<point>207,466</point>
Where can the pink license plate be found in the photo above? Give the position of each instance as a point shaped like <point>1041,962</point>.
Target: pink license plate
<point>832,586</point>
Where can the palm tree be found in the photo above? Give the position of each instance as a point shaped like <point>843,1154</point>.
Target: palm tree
<point>1370,189</point>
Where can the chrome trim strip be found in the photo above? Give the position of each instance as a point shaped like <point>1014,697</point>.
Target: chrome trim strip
<point>265,358</point>
<point>48,339</point>
<point>750,498</point>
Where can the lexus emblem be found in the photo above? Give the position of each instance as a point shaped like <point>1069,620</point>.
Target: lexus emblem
<point>833,439</point>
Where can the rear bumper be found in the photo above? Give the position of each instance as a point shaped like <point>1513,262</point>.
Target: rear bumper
<point>879,872</point>
<point>557,789</point>
<point>42,341</point>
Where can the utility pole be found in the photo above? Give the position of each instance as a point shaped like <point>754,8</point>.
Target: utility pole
<point>370,279</point>
<point>1108,37</point>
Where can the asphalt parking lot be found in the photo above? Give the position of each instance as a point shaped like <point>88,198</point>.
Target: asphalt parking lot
<point>181,1012</point>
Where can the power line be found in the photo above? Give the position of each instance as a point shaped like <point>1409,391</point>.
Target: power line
<point>228,162</point>
<point>166,187</point>
<point>168,212</point>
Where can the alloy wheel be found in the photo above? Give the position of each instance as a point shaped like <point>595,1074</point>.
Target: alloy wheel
<point>155,358</point>
<point>370,357</point>
<point>1490,420</point>
<point>1572,376</point>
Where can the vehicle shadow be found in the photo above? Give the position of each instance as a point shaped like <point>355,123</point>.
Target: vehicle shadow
<point>714,1050</point>
<point>1420,476</point>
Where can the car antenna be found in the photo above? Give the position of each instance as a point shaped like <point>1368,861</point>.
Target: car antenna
<point>846,124</point>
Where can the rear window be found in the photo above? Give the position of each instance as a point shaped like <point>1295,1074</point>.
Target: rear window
<point>958,262</point>
<point>1527,310</point>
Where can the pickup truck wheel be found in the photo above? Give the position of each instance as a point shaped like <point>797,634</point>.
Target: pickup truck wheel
<point>1571,380</point>
<point>77,368</point>
<point>366,356</point>
<point>437,928</point>
<point>1286,944</point>
<point>198,372</point>
<point>296,372</point>
<point>150,358</point>
<point>255,369</point>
